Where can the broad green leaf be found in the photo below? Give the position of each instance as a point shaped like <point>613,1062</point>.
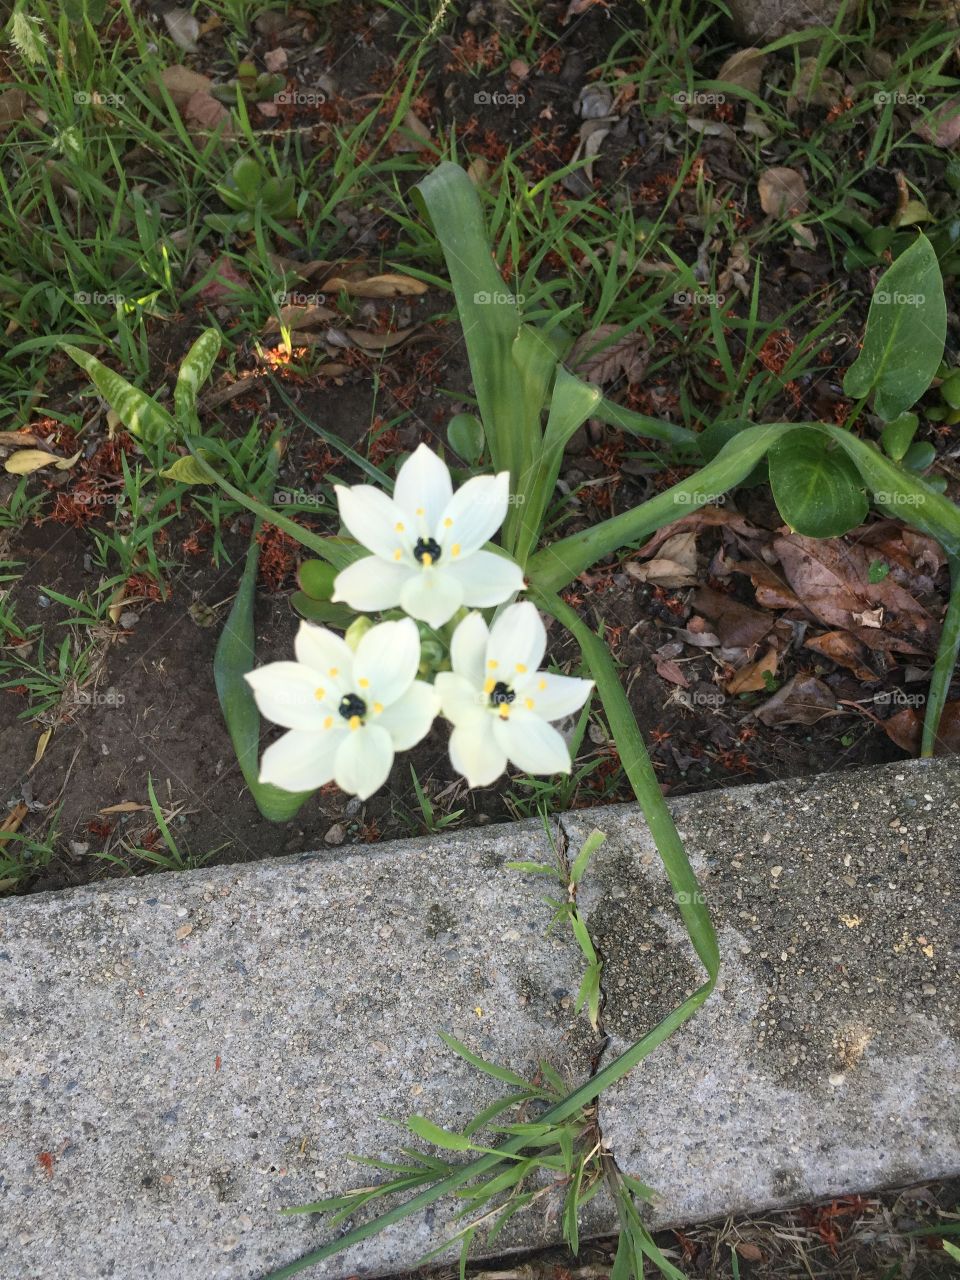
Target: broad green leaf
<point>322,612</point>
<point>919,456</point>
<point>465,436</point>
<point>906,330</point>
<point>638,424</point>
<point>188,471</point>
<point>817,489</point>
<point>897,435</point>
<point>195,370</point>
<point>442,1138</point>
<point>139,413</point>
<point>316,578</point>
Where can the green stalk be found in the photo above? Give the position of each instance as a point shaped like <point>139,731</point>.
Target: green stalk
<point>944,664</point>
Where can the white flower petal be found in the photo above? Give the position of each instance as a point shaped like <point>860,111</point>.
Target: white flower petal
<point>462,702</point>
<point>371,584</point>
<point>291,695</point>
<point>432,595</point>
<point>474,513</point>
<point>475,753</point>
<point>517,642</point>
<point>486,578</point>
<point>323,651</point>
<point>363,760</point>
<point>386,661</point>
<point>374,520</point>
<point>468,649</point>
<point>408,720</point>
<point>301,761</point>
<point>423,488</point>
<point>553,697</point>
<point>530,743</point>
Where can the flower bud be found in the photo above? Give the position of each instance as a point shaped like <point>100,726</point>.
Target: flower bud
<point>357,629</point>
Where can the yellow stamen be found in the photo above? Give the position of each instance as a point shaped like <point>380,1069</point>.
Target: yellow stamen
<point>504,711</point>
<point>328,723</point>
<point>528,703</point>
<point>493,664</point>
<point>521,669</point>
<point>319,694</point>
<point>489,686</point>
<point>455,549</point>
<point>334,671</point>
<point>364,683</point>
<point>397,554</point>
<point>399,526</point>
<point>541,685</point>
<point>420,511</point>
<point>377,708</point>
<point>447,523</point>
<point>426,559</point>
<point>354,722</point>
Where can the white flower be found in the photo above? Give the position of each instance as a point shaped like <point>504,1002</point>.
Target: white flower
<point>347,712</point>
<point>500,703</point>
<point>426,542</point>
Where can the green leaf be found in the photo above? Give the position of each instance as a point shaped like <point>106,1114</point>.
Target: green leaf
<point>321,612</point>
<point>590,846</point>
<point>316,578</point>
<point>465,437</point>
<point>906,331</point>
<point>194,371</point>
<point>188,471</point>
<point>233,658</point>
<point>950,389</point>
<point>139,413</point>
<point>818,490</point>
<point>443,1138</point>
<point>897,435</point>
<point>919,456</point>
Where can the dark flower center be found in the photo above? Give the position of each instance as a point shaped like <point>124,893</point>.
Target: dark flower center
<point>351,705</point>
<point>502,695</point>
<point>426,549</point>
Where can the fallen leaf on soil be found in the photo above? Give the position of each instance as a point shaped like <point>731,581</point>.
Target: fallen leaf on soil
<point>815,85</point>
<point>25,461</point>
<point>624,357</point>
<point>183,28</point>
<point>831,577</point>
<point>752,677</point>
<point>705,517</point>
<point>385,286</point>
<point>675,566</point>
<point>12,821</point>
<point>225,282</point>
<point>906,728</point>
<point>18,437</point>
<point>42,743</point>
<point>126,806</point>
<point>942,126</point>
<point>737,625</point>
<point>13,107</point>
<point>750,1252</point>
<point>206,113</point>
<point>374,341</point>
<point>413,134</point>
<point>275,59</point>
<point>845,650</point>
<point>783,192</point>
<point>802,700</point>
<point>668,670</point>
<point>772,592</point>
<point>181,83</point>
<point>745,67</point>
<point>299,317</point>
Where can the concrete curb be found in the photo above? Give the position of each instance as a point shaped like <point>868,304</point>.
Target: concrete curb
<point>188,1054</point>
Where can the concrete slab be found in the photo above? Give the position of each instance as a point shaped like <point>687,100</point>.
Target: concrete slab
<point>186,1055</point>
<point>828,1059</point>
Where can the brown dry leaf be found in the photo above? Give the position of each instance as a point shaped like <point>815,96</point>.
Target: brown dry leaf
<point>413,134</point>
<point>181,83</point>
<point>705,517</point>
<point>225,282</point>
<point>42,743</point>
<point>745,68</point>
<point>12,821</point>
<point>815,85</point>
<point>25,461</point>
<point>675,566</point>
<point>625,357</point>
<point>206,114</point>
<point>299,317</point>
<point>772,592</point>
<point>906,729</point>
<point>845,650</point>
<point>752,677</point>
<point>668,670</point>
<point>802,700</point>
<point>24,438</point>
<point>183,28</point>
<point>749,1251</point>
<point>372,341</point>
<point>275,59</point>
<point>783,192</point>
<point>942,126</point>
<point>831,577</point>
<point>13,107</point>
<point>385,286</point>
<point>737,625</point>
<point>126,806</point>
